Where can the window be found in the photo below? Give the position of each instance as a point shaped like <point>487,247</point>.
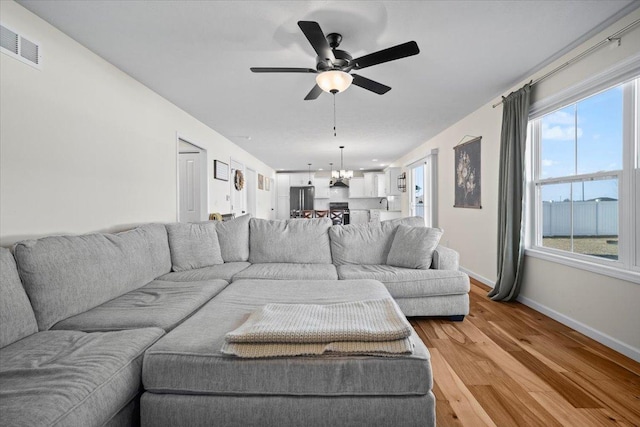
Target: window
<point>585,180</point>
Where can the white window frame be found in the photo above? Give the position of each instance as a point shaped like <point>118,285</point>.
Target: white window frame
<point>627,267</point>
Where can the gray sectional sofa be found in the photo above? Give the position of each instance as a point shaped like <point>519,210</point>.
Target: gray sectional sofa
<point>118,329</point>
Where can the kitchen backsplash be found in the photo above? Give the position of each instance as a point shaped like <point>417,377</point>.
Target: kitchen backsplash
<point>342,195</point>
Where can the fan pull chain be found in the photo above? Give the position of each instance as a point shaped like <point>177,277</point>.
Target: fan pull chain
<point>334,115</point>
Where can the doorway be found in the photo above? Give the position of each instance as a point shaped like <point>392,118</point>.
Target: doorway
<point>418,186</point>
<point>192,182</point>
<point>238,196</point>
<point>424,189</point>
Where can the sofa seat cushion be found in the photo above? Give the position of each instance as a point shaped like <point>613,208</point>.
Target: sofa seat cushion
<point>188,359</point>
<point>159,304</point>
<point>222,271</point>
<point>71,378</point>
<point>287,271</point>
<point>407,282</point>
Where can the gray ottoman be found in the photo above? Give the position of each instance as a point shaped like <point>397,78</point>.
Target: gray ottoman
<point>189,382</point>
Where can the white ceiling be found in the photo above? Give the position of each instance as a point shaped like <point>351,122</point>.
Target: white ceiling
<point>197,54</point>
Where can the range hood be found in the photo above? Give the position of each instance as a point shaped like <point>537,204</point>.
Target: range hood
<point>340,183</point>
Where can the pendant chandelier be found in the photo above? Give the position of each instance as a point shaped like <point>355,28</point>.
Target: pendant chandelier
<point>342,174</point>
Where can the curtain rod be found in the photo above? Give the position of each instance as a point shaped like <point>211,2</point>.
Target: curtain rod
<point>612,38</point>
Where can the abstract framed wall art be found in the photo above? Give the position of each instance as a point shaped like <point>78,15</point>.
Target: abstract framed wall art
<point>260,182</point>
<point>467,174</point>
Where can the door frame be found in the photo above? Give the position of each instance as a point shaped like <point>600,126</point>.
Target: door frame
<point>204,182</point>
<point>243,209</point>
<point>430,186</point>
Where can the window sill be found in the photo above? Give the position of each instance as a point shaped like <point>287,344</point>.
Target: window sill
<point>594,267</point>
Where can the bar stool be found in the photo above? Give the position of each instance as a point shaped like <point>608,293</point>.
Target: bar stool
<point>336,217</point>
<point>307,214</point>
<point>322,214</point>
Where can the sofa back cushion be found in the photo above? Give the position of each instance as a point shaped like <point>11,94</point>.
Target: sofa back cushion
<point>366,244</point>
<point>67,275</point>
<point>194,245</point>
<point>303,241</point>
<point>233,236</point>
<point>16,315</point>
<point>413,247</point>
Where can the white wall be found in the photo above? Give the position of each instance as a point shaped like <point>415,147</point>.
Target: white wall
<point>84,147</point>
<point>603,307</point>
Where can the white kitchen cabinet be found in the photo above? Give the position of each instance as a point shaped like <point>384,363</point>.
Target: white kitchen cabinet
<point>370,189</point>
<point>377,215</point>
<point>300,179</point>
<point>282,184</point>
<point>375,185</point>
<point>356,188</point>
<point>358,216</point>
<point>391,181</point>
<point>387,215</point>
<point>381,185</point>
<point>322,188</point>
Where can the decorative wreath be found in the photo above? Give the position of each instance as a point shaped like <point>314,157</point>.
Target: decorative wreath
<point>238,180</point>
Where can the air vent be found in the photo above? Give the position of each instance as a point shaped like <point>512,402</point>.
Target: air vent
<point>15,45</point>
<point>8,40</point>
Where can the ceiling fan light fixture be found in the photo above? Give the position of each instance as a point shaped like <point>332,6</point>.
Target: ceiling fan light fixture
<point>334,81</point>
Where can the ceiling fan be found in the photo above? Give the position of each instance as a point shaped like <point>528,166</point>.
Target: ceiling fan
<point>334,66</point>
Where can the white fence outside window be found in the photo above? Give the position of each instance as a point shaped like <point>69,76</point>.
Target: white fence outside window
<point>590,218</point>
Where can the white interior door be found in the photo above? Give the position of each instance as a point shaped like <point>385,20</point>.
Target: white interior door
<point>238,197</point>
<point>190,187</point>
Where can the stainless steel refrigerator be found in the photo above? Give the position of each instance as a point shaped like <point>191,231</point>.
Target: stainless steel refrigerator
<point>301,199</point>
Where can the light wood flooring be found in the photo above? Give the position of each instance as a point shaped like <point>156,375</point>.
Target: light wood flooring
<point>508,365</point>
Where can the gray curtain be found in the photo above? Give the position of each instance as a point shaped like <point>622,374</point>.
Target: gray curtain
<point>515,115</point>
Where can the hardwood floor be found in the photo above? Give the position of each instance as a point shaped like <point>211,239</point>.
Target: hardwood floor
<point>508,365</point>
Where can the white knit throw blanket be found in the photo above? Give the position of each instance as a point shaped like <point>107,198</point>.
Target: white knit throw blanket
<point>372,327</point>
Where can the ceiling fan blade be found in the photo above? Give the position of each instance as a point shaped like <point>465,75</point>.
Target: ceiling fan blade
<point>282,70</point>
<point>386,55</point>
<point>315,92</point>
<point>314,34</point>
<point>369,84</point>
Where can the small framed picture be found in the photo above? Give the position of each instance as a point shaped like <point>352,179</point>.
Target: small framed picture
<point>220,170</point>
<point>267,184</point>
<point>260,182</point>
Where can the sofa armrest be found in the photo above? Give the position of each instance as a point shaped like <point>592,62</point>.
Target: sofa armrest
<point>445,259</point>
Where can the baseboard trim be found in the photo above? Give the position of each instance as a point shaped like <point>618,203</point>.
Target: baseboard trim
<point>479,278</point>
<point>602,338</point>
